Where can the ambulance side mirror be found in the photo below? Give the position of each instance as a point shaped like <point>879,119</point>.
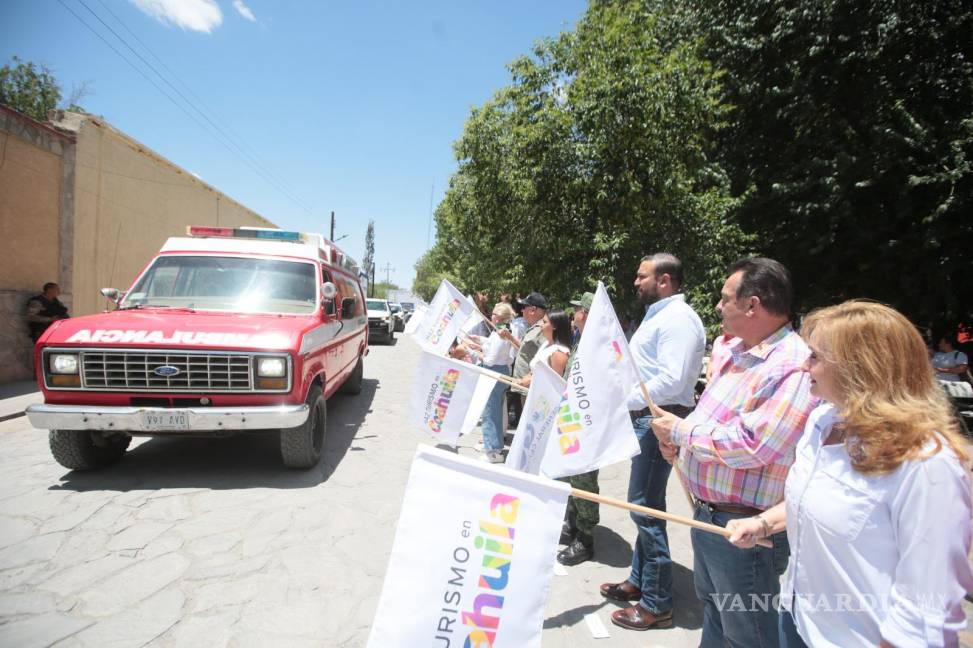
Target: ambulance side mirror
<point>347,308</point>
<point>328,292</point>
<point>113,294</point>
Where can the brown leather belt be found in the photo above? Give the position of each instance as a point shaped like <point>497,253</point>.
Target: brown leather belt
<point>738,509</point>
<point>679,410</point>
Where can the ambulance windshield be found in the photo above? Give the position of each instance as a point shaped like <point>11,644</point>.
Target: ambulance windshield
<point>236,284</point>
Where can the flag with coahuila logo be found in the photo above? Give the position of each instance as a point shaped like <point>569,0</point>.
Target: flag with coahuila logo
<point>441,396</point>
<point>484,387</point>
<point>593,427</point>
<point>417,316</point>
<point>473,555</point>
<point>447,313</point>
<point>537,420</point>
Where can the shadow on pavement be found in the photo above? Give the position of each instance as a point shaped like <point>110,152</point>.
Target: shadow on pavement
<point>612,549</point>
<point>241,461</point>
<point>687,609</point>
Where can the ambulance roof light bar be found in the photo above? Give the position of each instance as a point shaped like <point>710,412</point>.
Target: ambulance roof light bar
<point>245,232</point>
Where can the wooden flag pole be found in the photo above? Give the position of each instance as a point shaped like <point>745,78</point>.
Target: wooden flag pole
<point>662,515</point>
<point>499,377</point>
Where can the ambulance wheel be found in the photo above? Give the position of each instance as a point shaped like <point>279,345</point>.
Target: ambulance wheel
<point>352,385</point>
<point>301,446</point>
<point>86,450</point>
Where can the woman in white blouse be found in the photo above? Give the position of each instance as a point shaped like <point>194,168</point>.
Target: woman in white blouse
<point>498,354</point>
<point>877,503</point>
<point>556,329</point>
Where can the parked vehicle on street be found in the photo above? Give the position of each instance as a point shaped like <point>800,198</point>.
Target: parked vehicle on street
<point>226,330</point>
<point>381,323</point>
<point>399,317</point>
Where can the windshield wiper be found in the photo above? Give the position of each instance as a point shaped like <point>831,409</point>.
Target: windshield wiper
<point>140,306</point>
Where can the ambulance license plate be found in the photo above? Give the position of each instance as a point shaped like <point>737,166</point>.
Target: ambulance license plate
<point>156,421</point>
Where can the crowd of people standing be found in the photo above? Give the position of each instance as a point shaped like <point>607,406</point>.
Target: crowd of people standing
<point>834,445</point>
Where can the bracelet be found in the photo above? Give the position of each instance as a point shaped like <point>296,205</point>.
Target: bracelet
<point>765,525</point>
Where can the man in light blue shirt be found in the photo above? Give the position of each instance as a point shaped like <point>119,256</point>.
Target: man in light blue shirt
<point>668,348</point>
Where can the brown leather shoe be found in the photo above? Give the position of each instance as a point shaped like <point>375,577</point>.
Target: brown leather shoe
<point>623,592</point>
<point>638,618</point>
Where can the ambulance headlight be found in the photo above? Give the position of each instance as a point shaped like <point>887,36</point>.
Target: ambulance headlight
<point>64,363</point>
<point>271,367</point>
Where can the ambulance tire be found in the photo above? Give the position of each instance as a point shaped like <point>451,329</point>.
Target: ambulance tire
<point>352,385</point>
<point>301,447</point>
<point>85,450</point>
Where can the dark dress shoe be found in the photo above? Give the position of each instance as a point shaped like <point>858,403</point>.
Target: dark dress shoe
<point>638,618</point>
<point>623,591</point>
<point>568,534</point>
<point>576,553</point>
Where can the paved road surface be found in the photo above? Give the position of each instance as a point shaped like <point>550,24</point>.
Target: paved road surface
<point>211,542</point>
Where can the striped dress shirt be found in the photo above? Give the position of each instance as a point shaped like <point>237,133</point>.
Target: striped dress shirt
<point>738,444</point>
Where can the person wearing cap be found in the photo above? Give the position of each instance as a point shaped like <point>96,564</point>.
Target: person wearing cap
<point>581,516</point>
<point>535,307</point>
<point>668,349</point>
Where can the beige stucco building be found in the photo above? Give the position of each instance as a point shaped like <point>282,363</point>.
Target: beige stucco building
<point>86,206</point>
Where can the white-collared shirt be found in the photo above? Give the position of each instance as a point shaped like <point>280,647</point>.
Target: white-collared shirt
<point>668,348</point>
<point>875,556</point>
<point>496,350</point>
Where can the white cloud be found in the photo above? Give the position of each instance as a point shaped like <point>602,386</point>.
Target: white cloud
<point>196,15</point>
<point>244,10</point>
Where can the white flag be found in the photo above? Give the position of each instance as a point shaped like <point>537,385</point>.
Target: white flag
<point>593,425</point>
<point>473,556</point>
<point>476,316</point>
<point>537,420</point>
<point>448,311</point>
<point>441,396</point>
<point>484,386</point>
<point>416,319</point>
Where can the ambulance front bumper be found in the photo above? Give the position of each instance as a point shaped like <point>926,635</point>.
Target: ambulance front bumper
<point>141,420</point>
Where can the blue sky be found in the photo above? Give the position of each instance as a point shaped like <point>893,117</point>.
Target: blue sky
<point>355,105</point>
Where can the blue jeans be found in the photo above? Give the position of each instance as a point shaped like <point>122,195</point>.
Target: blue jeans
<point>493,413</point>
<point>789,638</point>
<point>739,588</point>
<point>651,563</point>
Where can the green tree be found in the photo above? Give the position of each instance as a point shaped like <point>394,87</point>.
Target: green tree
<point>852,140</point>
<point>29,89</point>
<point>368,261</point>
<point>431,269</point>
<point>382,288</point>
<point>601,150</point>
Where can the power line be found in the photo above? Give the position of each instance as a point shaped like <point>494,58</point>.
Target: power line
<point>236,139</point>
<point>170,98</point>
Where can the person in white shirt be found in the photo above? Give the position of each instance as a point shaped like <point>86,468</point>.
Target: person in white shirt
<point>949,363</point>
<point>498,354</point>
<point>877,503</point>
<point>554,351</point>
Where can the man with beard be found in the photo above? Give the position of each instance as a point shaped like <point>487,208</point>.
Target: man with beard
<point>668,348</point>
<point>737,447</point>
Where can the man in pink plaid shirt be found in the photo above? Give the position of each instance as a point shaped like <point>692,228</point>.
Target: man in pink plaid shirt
<point>735,450</point>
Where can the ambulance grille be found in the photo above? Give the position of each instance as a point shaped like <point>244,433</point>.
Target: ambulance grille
<point>136,371</point>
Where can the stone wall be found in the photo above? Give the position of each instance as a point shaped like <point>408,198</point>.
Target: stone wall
<point>86,206</point>
<point>15,345</point>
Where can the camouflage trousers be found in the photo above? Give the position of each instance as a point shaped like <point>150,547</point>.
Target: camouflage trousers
<point>582,514</point>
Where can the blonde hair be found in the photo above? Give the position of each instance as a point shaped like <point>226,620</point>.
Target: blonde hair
<point>505,310</point>
<point>893,404</point>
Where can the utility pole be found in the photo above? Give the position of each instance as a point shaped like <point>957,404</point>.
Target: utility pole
<point>388,269</point>
<point>332,225</point>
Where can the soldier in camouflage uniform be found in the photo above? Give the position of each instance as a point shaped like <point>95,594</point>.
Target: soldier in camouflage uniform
<point>582,516</point>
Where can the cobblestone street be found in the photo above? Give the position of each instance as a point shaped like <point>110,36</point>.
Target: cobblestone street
<point>211,542</point>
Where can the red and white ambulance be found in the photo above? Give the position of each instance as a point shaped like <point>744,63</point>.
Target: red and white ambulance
<point>226,330</point>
